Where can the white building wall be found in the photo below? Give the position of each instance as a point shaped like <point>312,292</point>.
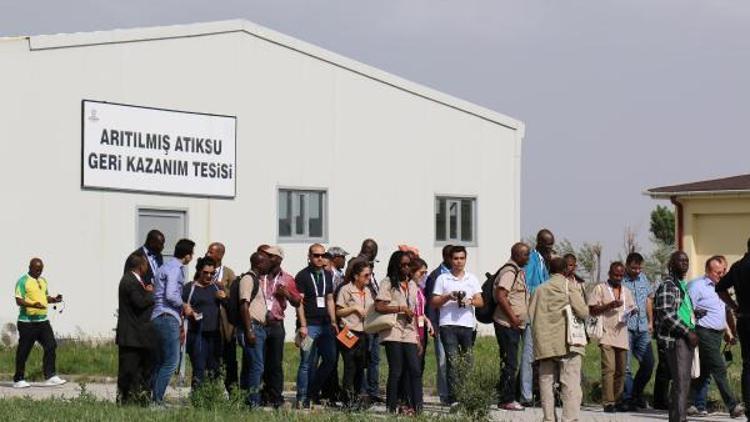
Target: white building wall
<point>381,151</point>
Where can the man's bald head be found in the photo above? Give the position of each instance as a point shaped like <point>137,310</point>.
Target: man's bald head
<point>557,265</point>
<point>519,253</point>
<point>369,249</point>
<point>216,252</point>
<point>545,240</point>
<point>36,266</point>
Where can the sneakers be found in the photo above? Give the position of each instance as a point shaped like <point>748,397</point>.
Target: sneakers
<point>738,411</point>
<point>21,384</point>
<point>54,381</point>
<point>514,406</point>
<point>693,411</point>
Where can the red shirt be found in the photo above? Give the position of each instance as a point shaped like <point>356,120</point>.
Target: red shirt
<point>279,303</point>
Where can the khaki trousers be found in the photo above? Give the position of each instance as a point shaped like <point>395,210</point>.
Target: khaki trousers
<point>613,373</point>
<point>570,386</point>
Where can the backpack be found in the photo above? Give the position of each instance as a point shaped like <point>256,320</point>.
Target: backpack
<point>487,311</point>
<point>233,304</point>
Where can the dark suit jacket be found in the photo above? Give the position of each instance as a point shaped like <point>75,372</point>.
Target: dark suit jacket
<point>135,304</point>
<point>429,287</point>
<point>149,277</point>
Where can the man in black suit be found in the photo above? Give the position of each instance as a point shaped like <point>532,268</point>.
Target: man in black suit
<point>134,337</point>
<point>151,250</point>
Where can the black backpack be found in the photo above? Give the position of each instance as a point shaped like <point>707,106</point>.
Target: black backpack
<point>485,313</point>
<point>233,304</point>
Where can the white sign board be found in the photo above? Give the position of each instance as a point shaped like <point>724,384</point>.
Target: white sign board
<point>146,149</point>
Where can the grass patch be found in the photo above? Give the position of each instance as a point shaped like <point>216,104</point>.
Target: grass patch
<point>88,362</point>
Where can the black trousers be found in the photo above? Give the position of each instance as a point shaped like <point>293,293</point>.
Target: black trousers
<point>662,381</point>
<point>355,362</point>
<point>229,357</point>
<point>743,332</point>
<point>28,334</point>
<point>507,342</point>
<point>273,372</point>
<point>402,396</point>
<point>403,360</point>
<point>135,365</point>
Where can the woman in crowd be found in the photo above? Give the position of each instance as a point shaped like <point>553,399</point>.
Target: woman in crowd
<point>398,295</point>
<point>203,338</point>
<point>352,302</point>
<point>424,326</point>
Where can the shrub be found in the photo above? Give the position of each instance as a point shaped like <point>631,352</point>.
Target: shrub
<point>476,385</point>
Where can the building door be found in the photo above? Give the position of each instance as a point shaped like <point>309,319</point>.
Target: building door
<point>173,223</point>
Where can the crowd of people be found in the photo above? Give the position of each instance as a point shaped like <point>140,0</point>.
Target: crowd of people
<point>543,315</point>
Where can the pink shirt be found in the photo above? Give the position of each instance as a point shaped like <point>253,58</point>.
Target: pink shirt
<point>278,304</point>
<point>420,315</point>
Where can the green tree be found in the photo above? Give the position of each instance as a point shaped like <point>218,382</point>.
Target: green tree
<point>662,224</point>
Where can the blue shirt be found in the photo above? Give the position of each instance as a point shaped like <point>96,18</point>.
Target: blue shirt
<point>536,272</point>
<point>168,289</point>
<point>642,290</point>
<point>703,294</point>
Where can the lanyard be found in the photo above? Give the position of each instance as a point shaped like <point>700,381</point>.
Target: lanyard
<point>151,261</point>
<point>219,274</point>
<point>315,283</point>
<point>362,293</point>
<point>405,292</point>
<point>275,282</point>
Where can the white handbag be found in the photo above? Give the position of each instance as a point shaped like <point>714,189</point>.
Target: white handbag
<point>575,326</point>
<point>376,322</point>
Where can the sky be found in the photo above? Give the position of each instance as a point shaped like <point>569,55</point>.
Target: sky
<point>617,96</point>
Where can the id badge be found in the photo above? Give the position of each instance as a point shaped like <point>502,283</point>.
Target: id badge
<point>321,302</point>
<point>420,321</point>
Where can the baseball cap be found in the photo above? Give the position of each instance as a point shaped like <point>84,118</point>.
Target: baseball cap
<point>274,250</point>
<point>336,251</point>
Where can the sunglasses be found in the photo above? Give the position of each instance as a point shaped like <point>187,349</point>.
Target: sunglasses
<point>317,255</point>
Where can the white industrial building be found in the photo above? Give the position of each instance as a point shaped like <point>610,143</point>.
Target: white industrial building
<point>231,132</point>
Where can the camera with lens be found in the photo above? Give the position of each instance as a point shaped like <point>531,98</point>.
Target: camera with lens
<point>460,295</point>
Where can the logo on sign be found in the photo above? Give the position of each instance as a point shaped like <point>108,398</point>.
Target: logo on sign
<point>92,117</point>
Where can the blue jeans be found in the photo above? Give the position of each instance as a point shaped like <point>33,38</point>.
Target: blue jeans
<point>526,373</point>
<point>640,347</point>
<point>310,377</point>
<point>700,394</point>
<point>254,355</point>
<point>167,330</point>
<point>458,342</point>
<point>441,362</point>
<point>371,383</point>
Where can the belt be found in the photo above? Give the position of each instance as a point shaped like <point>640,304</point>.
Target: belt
<point>709,329</point>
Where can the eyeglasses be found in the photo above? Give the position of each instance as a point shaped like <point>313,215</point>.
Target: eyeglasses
<point>318,255</point>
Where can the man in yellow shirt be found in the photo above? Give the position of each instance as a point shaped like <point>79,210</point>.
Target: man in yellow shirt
<point>32,299</point>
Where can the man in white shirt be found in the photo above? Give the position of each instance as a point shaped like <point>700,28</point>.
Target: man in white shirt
<point>456,294</point>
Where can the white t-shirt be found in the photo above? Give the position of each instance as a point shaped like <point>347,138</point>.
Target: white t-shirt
<point>450,313</point>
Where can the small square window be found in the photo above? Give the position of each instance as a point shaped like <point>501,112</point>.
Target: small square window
<point>455,220</point>
<point>302,215</point>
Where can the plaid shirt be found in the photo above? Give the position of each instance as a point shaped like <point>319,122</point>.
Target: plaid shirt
<point>667,301</point>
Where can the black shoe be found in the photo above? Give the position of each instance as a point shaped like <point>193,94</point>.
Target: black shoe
<point>376,399</point>
<point>622,407</point>
<point>610,408</point>
<point>660,406</point>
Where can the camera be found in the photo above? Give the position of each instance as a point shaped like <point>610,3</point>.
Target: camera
<point>460,295</point>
